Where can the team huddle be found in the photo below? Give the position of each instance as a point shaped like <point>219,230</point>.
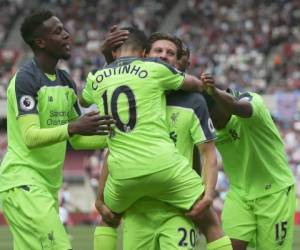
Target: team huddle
<point>155,121</point>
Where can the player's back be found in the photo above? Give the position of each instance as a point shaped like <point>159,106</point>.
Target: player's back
<point>132,91</point>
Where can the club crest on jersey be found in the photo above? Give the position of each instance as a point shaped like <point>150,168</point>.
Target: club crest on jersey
<point>27,103</point>
<point>174,118</point>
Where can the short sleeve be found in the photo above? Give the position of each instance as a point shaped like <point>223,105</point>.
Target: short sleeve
<point>168,77</point>
<point>26,88</point>
<point>259,109</point>
<point>87,90</point>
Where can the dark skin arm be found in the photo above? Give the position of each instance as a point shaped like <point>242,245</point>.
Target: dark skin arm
<point>209,175</point>
<point>228,103</point>
<point>109,218</point>
<point>90,124</point>
<point>113,39</point>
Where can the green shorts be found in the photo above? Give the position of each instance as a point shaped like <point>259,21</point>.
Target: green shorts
<point>154,225</point>
<point>32,215</point>
<point>266,222</point>
<point>179,187</point>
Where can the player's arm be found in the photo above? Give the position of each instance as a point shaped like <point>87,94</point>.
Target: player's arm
<point>209,168</point>
<point>169,78</point>
<point>192,83</point>
<point>86,98</point>
<point>231,105</point>
<point>108,216</point>
<point>79,142</point>
<point>113,39</point>
<point>35,136</point>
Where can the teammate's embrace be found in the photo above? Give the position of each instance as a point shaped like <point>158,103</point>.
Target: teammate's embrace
<point>143,160</point>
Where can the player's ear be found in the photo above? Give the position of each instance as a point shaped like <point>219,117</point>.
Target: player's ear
<point>39,42</point>
<point>114,54</point>
<point>143,53</point>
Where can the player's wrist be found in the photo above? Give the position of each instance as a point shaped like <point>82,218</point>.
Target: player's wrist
<point>72,129</point>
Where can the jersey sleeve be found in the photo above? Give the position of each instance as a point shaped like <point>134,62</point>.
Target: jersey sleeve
<point>34,136</point>
<point>259,109</point>
<point>26,93</point>
<point>202,129</point>
<point>87,90</point>
<point>167,77</point>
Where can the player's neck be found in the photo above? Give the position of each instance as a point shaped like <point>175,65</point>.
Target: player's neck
<point>129,53</point>
<point>45,63</point>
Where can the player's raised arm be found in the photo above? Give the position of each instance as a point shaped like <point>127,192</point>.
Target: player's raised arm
<point>113,39</point>
<point>192,83</point>
<point>229,103</point>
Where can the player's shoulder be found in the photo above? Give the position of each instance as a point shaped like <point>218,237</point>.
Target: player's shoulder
<point>66,78</point>
<point>28,69</point>
<point>27,75</point>
<point>157,63</point>
<point>191,100</point>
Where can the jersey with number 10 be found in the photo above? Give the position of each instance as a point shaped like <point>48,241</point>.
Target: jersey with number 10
<point>131,90</point>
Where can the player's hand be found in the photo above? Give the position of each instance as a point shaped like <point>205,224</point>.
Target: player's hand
<point>113,39</point>
<point>91,123</point>
<point>200,207</point>
<point>208,83</point>
<point>108,216</point>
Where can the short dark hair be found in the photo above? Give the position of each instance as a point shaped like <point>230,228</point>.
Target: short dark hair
<point>156,36</point>
<point>137,38</point>
<point>185,50</point>
<point>31,25</point>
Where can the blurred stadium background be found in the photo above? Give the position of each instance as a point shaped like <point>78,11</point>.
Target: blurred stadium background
<point>250,45</point>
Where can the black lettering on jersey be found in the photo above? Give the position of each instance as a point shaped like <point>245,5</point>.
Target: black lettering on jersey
<point>99,79</point>
<point>135,69</point>
<point>107,73</point>
<point>126,69</point>
<point>280,232</point>
<point>143,74</point>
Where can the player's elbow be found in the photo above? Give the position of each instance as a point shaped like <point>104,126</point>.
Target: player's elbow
<point>30,144</point>
<point>30,140</point>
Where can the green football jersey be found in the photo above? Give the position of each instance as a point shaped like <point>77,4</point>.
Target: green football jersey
<point>29,92</point>
<point>132,91</point>
<point>253,152</point>
<point>189,121</point>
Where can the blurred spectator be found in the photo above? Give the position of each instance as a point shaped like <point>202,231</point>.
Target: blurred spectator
<point>93,167</point>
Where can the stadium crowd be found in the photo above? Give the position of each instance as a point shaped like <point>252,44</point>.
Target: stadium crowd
<point>249,45</point>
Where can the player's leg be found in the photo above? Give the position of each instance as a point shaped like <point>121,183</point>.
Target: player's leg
<point>211,228</point>
<point>140,224</point>
<point>238,220</point>
<point>275,220</point>
<point>178,233</point>
<point>105,237</point>
<point>182,187</point>
<point>32,215</point>
<point>119,195</point>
